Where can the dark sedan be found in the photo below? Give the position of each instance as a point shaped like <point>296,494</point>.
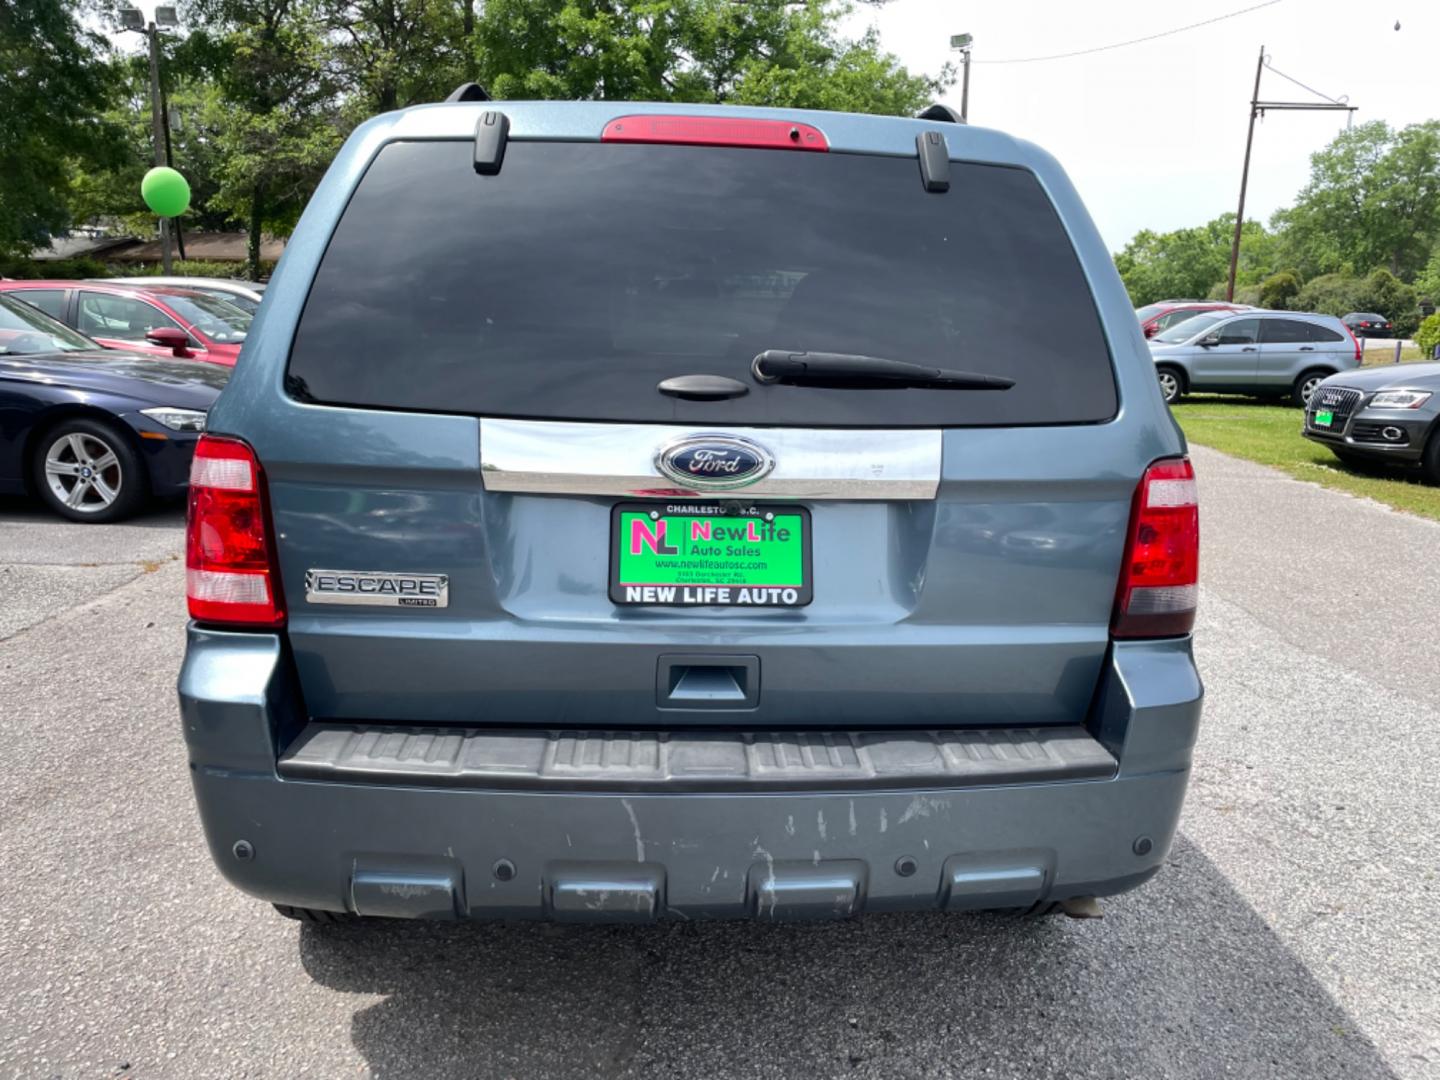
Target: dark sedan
<point>95,434</point>
<point>1368,324</point>
<point>1381,414</point>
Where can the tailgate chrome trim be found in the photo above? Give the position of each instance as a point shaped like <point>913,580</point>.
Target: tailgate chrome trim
<point>569,458</point>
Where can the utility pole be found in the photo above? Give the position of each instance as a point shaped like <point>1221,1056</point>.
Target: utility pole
<point>131,18</point>
<point>961,43</point>
<point>1258,108</point>
<point>157,124</point>
<point>1244,178</point>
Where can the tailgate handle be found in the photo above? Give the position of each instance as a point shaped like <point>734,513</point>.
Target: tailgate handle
<point>702,387</point>
<point>691,681</point>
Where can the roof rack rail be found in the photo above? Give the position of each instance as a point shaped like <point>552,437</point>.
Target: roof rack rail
<point>943,113</point>
<point>469,91</point>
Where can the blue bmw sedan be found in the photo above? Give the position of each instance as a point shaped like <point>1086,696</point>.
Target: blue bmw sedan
<point>94,434</point>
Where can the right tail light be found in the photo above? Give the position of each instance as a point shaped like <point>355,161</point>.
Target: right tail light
<point>1159,581</point>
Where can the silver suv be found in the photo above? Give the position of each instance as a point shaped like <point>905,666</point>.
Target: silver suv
<point>631,511</point>
<point>1273,354</point>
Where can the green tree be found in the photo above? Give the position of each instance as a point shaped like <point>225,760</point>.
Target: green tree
<point>1373,200</point>
<point>275,115</point>
<point>1382,292</point>
<point>762,52</point>
<point>1428,335</point>
<point>1330,294</point>
<point>1278,290</point>
<point>1427,282</point>
<point>1192,262</point>
<point>112,194</point>
<point>54,81</point>
<point>393,53</point>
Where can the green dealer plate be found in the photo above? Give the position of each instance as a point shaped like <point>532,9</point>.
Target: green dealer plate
<point>1324,418</point>
<point>710,554</point>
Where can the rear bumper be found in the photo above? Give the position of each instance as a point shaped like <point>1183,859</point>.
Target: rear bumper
<point>417,848</point>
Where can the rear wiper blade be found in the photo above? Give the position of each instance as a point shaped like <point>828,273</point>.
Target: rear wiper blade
<point>853,370</point>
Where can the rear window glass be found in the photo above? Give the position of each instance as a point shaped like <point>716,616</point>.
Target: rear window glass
<point>582,275</point>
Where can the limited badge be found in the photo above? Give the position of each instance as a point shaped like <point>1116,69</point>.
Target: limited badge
<point>382,588</point>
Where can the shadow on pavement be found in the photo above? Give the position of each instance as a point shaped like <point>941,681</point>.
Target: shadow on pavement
<point>162,514</point>
<point>1181,979</point>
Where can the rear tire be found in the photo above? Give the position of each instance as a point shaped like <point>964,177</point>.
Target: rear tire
<point>316,915</point>
<point>86,470</point>
<point>1305,386</point>
<point>1172,383</point>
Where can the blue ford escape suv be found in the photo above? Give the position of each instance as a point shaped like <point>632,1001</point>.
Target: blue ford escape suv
<point>635,511</point>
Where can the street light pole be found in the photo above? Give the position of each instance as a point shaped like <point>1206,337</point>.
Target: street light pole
<point>961,43</point>
<point>965,89</point>
<point>132,19</point>
<point>157,125</point>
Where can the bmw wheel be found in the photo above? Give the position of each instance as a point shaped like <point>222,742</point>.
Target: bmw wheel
<point>1172,384</point>
<point>86,470</point>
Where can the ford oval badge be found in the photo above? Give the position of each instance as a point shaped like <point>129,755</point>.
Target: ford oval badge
<point>712,462</point>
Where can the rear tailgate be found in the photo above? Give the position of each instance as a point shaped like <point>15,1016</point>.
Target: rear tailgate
<point>475,375</point>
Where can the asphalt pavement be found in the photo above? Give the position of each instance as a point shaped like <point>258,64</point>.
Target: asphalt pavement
<point>1291,935</point>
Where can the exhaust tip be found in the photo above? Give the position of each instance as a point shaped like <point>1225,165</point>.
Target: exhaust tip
<point>1082,907</point>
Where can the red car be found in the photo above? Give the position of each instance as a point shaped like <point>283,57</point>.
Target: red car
<point>161,320</point>
<point>1166,313</point>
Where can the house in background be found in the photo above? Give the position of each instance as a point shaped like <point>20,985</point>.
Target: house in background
<point>129,252</point>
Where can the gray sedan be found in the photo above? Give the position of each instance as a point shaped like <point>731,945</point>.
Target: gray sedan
<point>1380,414</point>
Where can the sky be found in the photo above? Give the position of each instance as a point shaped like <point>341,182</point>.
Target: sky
<point>1153,135</point>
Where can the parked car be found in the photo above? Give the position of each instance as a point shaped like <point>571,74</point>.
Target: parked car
<point>701,557</point>
<point>246,295</point>
<point>94,434</point>
<point>1368,324</point>
<point>1167,314</point>
<point>1382,414</point>
<point>161,320</point>
<point>1276,354</point>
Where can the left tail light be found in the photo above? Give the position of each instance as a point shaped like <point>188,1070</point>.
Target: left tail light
<point>1159,580</point>
<point>231,574</point>
<point>1359,350</point>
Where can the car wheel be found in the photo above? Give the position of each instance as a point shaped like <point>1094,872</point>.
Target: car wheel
<point>1172,384</point>
<point>1430,460</point>
<point>1305,386</point>
<point>86,470</point>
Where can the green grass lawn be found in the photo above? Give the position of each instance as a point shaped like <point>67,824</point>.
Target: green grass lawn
<point>1382,351</point>
<point>1270,435</point>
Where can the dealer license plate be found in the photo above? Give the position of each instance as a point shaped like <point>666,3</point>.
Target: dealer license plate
<point>701,554</point>
<point>1324,418</point>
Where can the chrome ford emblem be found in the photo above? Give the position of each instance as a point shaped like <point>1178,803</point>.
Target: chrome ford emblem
<point>712,462</point>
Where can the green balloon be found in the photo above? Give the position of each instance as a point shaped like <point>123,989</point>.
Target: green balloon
<point>165,191</point>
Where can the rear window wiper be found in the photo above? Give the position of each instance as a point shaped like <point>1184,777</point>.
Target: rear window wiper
<point>850,370</point>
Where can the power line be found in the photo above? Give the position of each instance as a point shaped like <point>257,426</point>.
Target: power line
<point>1132,41</point>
